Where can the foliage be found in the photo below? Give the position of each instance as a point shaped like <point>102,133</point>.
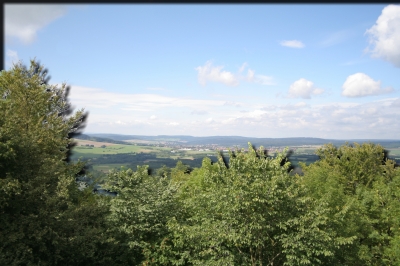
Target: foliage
<point>44,218</point>
<point>250,213</point>
<point>360,188</point>
<point>139,212</point>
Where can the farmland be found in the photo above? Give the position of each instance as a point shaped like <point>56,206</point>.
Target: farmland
<point>108,154</point>
<point>104,156</point>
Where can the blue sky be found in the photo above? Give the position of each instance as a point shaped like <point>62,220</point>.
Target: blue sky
<point>261,70</point>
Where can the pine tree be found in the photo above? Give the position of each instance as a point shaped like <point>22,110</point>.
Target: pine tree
<point>44,218</point>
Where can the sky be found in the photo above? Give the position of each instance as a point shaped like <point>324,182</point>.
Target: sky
<point>257,70</point>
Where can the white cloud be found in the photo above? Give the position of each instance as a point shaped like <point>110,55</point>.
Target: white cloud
<point>153,117</point>
<point>11,58</point>
<point>303,88</point>
<point>396,103</point>
<point>292,44</point>
<point>255,114</point>
<point>23,21</point>
<point>260,79</point>
<point>119,122</point>
<point>250,75</point>
<point>199,112</point>
<point>360,84</point>
<point>352,119</point>
<point>209,120</point>
<point>385,36</point>
<point>332,120</point>
<point>244,65</point>
<point>215,74</point>
<point>300,104</point>
<point>99,98</point>
<point>211,73</point>
<point>230,103</point>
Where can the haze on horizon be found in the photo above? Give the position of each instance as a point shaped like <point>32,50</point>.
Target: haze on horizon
<point>266,71</point>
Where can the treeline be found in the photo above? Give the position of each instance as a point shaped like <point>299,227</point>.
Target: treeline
<point>344,210</point>
<point>100,139</point>
<point>149,159</point>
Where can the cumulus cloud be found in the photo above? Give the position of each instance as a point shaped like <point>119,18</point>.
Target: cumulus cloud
<point>208,72</point>
<point>303,88</point>
<point>292,44</point>
<point>23,21</point>
<point>360,85</point>
<point>384,36</point>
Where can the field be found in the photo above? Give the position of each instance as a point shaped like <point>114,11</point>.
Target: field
<point>109,148</point>
<point>106,167</point>
<point>104,156</point>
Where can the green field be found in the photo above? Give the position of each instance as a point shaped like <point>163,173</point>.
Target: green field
<point>114,149</point>
<point>103,159</point>
<point>107,167</point>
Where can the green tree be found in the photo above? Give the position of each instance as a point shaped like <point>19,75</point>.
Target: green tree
<point>139,214</point>
<point>44,218</point>
<point>250,213</point>
<point>360,188</point>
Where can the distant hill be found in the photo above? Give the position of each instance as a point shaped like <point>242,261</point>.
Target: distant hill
<point>230,141</point>
<point>99,139</point>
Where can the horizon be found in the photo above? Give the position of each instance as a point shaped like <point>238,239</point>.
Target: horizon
<point>326,71</point>
<point>92,133</point>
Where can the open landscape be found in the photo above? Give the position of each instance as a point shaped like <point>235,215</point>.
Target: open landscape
<point>156,151</point>
<point>198,134</point>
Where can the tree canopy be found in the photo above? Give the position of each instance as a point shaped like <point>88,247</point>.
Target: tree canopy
<point>44,218</point>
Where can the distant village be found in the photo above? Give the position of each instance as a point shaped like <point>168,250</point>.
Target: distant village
<point>216,147</point>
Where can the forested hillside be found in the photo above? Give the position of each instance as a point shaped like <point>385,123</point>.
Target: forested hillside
<point>344,210</point>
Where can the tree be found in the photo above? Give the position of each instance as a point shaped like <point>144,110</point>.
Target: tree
<point>360,188</point>
<point>44,218</point>
<point>139,214</point>
<point>250,213</point>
